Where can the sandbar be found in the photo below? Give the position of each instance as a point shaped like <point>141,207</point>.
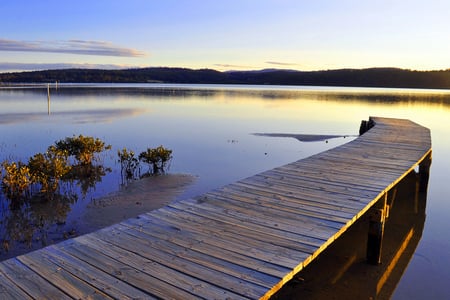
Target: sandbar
<point>135,198</point>
<point>303,137</point>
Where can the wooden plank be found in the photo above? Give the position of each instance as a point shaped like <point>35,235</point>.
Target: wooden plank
<point>146,275</point>
<point>8,289</point>
<point>124,241</point>
<point>273,201</point>
<point>252,209</point>
<point>308,194</point>
<point>137,256</point>
<point>310,184</point>
<point>322,164</point>
<point>319,232</point>
<point>60,277</point>
<point>28,281</point>
<point>251,229</point>
<point>341,197</point>
<point>245,256</point>
<point>248,201</point>
<point>212,227</point>
<point>333,177</point>
<point>264,250</point>
<point>102,281</point>
<point>335,181</point>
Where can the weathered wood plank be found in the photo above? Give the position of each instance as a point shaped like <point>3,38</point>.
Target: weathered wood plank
<point>338,178</point>
<point>272,201</point>
<point>283,202</point>
<point>60,277</point>
<point>257,248</point>
<point>319,232</point>
<point>248,257</point>
<point>144,276</point>
<point>124,241</point>
<point>320,186</point>
<point>28,281</point>
<point>243,227</point>
<point>347,200</point>
<point>102,281</point>
<point>213,227</point>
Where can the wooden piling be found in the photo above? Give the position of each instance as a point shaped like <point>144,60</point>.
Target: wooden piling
<point>48,99</point>
<point>424,173</point>
<point>377,220</point>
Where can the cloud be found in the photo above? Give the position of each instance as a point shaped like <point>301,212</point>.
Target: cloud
<point>281,63</point>
<point>12,67</point>
<point>79,47</point>
<point>232,66</point>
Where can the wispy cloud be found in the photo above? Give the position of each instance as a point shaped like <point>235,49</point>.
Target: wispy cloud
<point>79,47</point>
<point>12,67</point>
<point>278,63</point>
<point>228,66</point>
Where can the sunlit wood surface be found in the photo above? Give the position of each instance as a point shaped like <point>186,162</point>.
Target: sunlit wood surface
<point>241,241</point>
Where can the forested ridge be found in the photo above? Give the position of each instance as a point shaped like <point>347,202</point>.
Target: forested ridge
<point>372,77</point>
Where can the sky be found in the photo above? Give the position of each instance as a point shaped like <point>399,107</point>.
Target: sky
<point>224,35</point>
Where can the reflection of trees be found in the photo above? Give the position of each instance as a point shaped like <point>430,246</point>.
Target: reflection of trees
<point>268,93</point>
<point>24,225</point>
<point>87,176</point>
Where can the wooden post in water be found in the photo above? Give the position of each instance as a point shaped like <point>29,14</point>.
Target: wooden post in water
<point>365,126</point>
<point>377,219</point>
<point>48,98</point>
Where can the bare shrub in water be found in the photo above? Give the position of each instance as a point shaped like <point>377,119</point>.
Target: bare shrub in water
<point>158,158</point>
<point>128,163</point>
<point>48,168</point>
<point>82,147</point>
<point>15,179</point>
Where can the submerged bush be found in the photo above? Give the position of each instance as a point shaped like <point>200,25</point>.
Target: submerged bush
<point>82,147</point>
<point>86,176</point>
<point>158,158</point>
<point>16,179</point>
<point>48,168</point>
<point>128,163</point>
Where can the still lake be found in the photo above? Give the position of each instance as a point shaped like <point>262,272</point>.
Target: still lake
<point>211,130</point>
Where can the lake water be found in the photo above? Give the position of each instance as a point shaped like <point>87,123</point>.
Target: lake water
<point>211,130</point>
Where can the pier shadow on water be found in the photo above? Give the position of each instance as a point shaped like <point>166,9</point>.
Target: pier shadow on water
<point>342,271</point>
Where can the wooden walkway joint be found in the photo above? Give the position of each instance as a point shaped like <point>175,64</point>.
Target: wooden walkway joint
<point>242,241</point>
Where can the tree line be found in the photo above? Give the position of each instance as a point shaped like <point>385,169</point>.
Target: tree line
<point>372,77</point>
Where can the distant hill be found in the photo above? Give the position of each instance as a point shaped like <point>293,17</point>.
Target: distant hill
<point>373,77</point>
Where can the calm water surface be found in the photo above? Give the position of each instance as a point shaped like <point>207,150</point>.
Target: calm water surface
<point>210,130</point>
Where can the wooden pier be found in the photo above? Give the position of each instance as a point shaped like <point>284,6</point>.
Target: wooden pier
<point>242,241</point>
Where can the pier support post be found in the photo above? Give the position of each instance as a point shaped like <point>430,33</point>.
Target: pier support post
<point>376,231</point>
<point>365,126</point>
<point>424,173</point>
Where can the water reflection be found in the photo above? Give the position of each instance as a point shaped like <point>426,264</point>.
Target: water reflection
<point>209,129</point>
<point>341,271</point>
<point>207,92</point>
<point>31,225</point>
<point>33,222</point>
<point>76,117</point>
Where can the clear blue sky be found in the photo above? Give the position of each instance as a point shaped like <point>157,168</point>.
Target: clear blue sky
<point>225,35</point>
